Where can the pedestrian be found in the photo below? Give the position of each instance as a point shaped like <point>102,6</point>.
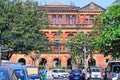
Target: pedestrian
<point>88,73</point>
<point>84,73</point>
<point>105,74</point>
<point>44,74</point>
<point>83,70</point>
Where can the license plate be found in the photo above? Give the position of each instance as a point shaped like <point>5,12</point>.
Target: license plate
<point>96,76</point>
<point>76,78</point>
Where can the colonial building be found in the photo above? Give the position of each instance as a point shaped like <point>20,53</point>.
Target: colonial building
<point>69,20</point>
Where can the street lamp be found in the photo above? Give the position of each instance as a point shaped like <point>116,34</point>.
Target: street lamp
<point>0,55</point>
<point>59,42</point>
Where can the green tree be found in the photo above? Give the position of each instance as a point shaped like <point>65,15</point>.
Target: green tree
<point>108,40</point>
<point>76,45</point>
<point>20,25</point>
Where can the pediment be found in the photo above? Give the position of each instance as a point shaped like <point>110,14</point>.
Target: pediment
<point>92,7</point>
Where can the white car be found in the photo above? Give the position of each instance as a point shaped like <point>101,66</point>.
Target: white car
<point>114,73</point>
<point>60,73</point>
<point>95,73</point>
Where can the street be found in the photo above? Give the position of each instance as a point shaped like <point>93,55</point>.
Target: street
<point>68,79</point>
<point>57,79</point>
<point>49,77</point>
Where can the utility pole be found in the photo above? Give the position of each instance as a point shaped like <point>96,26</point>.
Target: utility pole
<point>0,54</point>
<point>84,49</point>
<point>59,31</point>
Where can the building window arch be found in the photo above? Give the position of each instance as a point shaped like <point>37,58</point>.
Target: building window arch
<point>91,19</point>
<point>59,19</point>
<point>43,61</point>
<point>67,19</point>
<point>74,19</point>
<point>86,21</point>
<point>22,61</point>
<point>56,62</point>
<point>54,19</point>
<point>70,35</point>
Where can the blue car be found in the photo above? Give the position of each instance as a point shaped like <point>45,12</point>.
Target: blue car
<point>6,73</point>
<point>20,71</point>
<point>76,75</point>
<point>33,72</point>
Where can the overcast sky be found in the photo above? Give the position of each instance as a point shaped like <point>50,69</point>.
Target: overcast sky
<point>80,3</point>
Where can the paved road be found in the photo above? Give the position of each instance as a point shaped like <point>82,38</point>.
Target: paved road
<point>57,79</point>
<point>68,79</point>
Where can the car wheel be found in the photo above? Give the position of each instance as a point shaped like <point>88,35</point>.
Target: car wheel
<point>58,76</point>
<point>53,76</point>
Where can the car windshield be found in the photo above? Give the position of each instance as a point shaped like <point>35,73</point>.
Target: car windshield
<point>20,74</point>
<point>95,70</point>
<point>62,71</point>
<point>116,69</point>
<point>76,71</point>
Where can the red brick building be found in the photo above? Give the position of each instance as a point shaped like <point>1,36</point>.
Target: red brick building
<point>71,20</point>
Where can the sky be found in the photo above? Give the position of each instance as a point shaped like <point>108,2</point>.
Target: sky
<point>79,3</point>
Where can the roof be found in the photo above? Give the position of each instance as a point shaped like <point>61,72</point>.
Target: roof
<point>58,8</point>
<point>16,67</point>
<point>55,6</point>
<point>92,7</point>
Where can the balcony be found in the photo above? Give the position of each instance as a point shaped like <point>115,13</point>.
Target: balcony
<point>71,26</point>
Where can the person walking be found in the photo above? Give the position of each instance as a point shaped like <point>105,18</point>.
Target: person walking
<point>105,74</point>
<point>44,74</point>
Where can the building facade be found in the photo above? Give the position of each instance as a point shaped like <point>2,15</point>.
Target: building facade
<point>69,20</point>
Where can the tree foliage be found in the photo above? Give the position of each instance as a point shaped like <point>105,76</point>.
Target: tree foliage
<point>77,43</point>
<point>20,23</point>
<point>108,41</point>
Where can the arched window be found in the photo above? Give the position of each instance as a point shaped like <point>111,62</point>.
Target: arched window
<point>86,21</point>
<point>67,19</point>
<point>73,19</point>
<point>70,35</point>
<point>59,19</point>
<point>22,61</point>
<point>53,19</point>
<point>91,19</point>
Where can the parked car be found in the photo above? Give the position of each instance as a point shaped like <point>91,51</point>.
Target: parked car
<point>76,75</point>
<point>95,73</point>
<point>6,73</point>
<point>114,73</point>
<point>60,73</point>
<point>33,72</point>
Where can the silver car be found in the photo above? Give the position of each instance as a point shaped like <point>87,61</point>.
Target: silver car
<point>94,73</point>
<point>60,73</point>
